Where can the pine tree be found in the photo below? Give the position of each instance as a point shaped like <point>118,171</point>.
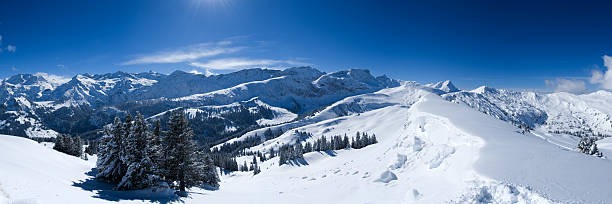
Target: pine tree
<point>155,148</point>
<point>256,169</point>
<point>140,167</point>
<point>208,172</point>
<point>299,151</point>
<point>109,164</point>
<point>307,147</point>
<point>182,165</point>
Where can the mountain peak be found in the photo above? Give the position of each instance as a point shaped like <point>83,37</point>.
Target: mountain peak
<point>446,86</point>
<point>484,89</point>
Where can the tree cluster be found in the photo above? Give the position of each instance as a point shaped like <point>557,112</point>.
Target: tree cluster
<point>69,145</point>
<point>92,147</point>
<point>337,142</point>
<point>225,161</point>
<point>587,145</point>
<point>235,147</point>
<point>134,156</point>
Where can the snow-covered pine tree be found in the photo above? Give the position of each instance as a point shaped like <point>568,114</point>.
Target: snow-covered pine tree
<point>109,164</point>
<point>256,169</point>
<point>345,142</point>
<point>358,141</point>
<point>282,156</point>
<point>208,172</point>
<point>373,139</point>
<point>299,151</point>
<point>140,167</point>
<point>155,148</point>
<point>307,147</point>
<point>182,165</point>
<point>126,129</point>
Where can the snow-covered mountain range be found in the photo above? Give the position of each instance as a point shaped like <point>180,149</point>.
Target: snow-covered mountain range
<point>41,106</point>
<point>437,144</point>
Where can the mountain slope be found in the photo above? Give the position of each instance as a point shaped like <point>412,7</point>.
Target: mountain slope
<point>430,151</point>
<point>87,102</point>
<point>586,114</point>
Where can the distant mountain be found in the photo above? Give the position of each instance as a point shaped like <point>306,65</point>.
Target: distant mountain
<point>585,114</point>
<point>86,102</point>
<point>444,86</point>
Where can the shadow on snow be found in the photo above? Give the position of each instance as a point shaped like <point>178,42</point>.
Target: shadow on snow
<point>303,162</point>
<point>105,191</point>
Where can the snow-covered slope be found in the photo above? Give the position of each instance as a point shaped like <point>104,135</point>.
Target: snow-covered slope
<point>430,150</point>
<point>32,173</point>
<point>298,89</point>
<point>586,114</point>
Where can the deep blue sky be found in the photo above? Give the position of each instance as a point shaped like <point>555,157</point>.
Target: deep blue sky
<point>503,44</point>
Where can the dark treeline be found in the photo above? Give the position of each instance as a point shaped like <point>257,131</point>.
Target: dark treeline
<point>133,156</point>
<point>92,147</point>
<point>581,133</point>
<point>209,124</point>
<point>235,148</point>
<point>69,145</point>
<point>337,142</point>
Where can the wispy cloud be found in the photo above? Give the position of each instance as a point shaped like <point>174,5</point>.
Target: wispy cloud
<point>241,63</point>
<point>186,54</point>
<point>604,79</point>
<point>11,48</point>
<point>567,85</point>
<point>195,71</point>
<point>53,78</point>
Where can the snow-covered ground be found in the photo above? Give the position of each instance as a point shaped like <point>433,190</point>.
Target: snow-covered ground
<point>430,151</point>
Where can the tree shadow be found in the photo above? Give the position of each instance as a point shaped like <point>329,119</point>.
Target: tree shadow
<point>331,153</point>
<point>298,162</point>
<point>106,191</point>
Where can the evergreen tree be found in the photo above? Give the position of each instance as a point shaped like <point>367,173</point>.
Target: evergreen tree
<point>208,172</point>
<point>299,151</point>
<point>155,148</point>
<point>182,168</point>
<point>109,164</point>
<point>345,142</point>
<point>255,168</point>
<point>140,167</point>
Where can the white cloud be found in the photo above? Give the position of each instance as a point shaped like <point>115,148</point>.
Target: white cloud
<point>53,78</point>
<point>205,73</point>
<point>567,85</point>
<point>195,72</point>
<point>241,63</point>
<point>186,54</point>
<point>11,48</point>
<point>604,79</point>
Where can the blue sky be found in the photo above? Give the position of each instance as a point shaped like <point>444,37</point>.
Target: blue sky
<point>523,45</point>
